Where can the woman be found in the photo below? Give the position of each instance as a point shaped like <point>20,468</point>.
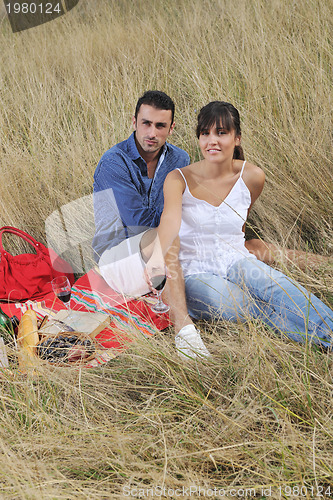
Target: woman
<point>207,203</point>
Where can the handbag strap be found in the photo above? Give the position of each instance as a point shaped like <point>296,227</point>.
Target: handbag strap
<point>18,232</point>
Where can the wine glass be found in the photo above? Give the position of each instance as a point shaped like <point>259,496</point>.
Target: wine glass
<point>62,288</point>
<point>158,283</point>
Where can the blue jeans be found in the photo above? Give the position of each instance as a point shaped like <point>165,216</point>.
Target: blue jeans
<point>252,289</point>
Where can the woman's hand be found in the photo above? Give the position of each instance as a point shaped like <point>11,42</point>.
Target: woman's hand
<point>155,267</point>
<point>168,228</point>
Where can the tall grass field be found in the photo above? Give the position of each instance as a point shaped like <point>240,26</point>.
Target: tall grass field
<point>255,420</point>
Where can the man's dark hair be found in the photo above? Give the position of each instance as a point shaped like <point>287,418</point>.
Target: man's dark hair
<point>158,100</point>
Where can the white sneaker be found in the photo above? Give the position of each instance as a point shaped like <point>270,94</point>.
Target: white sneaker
<point>189,344</point>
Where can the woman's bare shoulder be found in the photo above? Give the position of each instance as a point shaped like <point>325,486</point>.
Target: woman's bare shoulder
<point>187,172</point>
<point>175,180</point>
<point>174,175</point>
<point>253,175</point>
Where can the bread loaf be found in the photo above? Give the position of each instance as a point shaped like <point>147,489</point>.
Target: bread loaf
<point>28,338</point>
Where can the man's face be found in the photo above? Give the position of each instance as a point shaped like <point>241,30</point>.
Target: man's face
<point>152,128</point>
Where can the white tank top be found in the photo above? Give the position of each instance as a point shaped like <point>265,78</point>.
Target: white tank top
<point>211,238</point>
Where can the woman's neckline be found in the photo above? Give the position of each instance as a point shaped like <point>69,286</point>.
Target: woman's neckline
<point>223,201</point>
<point>240,177</point>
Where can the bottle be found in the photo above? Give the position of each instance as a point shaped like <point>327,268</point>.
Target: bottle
<point>7,325</point>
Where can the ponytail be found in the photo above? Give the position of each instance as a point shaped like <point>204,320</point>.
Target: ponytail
<point>238,153</point>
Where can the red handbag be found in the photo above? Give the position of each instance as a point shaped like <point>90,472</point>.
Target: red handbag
<point>28,276</point>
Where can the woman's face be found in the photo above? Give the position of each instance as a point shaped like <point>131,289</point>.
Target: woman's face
<point>218,144</point>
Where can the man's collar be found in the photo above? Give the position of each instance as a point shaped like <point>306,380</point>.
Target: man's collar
<point>133,150</point>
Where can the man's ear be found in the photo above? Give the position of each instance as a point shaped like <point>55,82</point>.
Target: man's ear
<point>134,122</point>
<point>171,128</point>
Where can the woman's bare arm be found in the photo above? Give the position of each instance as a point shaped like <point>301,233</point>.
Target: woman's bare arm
<point>169,226</point>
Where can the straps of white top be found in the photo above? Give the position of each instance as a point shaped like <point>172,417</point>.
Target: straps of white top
<point>183,176</point>
<point>242,169</point>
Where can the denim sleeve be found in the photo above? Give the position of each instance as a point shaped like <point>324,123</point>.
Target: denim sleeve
<point>115,175</point>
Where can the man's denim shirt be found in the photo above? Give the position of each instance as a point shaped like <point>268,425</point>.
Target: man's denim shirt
<point>126,201</point>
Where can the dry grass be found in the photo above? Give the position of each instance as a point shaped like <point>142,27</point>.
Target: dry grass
<point>260,412</point>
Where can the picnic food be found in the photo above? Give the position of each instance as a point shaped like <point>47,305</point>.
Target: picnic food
<point>62,349</point>
<point>28,338</point>
<point>65,348</point>
<point>27,334</point>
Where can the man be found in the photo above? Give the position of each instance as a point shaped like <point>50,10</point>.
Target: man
<point>128,193</point>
